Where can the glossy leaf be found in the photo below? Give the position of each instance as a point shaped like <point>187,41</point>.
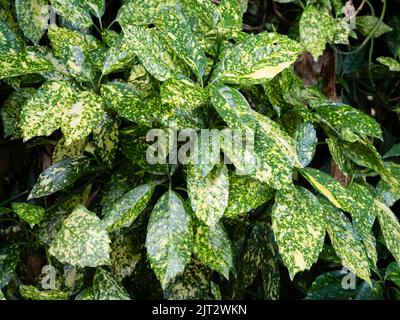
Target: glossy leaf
<point>9,258</point>
<point>306,142</point>
<point>32,293</point>
<point>59,176</point>
<point>40,116</point>
<point>126,209</point>
<point>208,195</point>
<point>28,212</point>
<point>316,29</point>
<point>105,137</point>
<point>33,18</point>
<point>365,24</point>
<point>391,63</point>
<point>299,228</point>
<point>82,117</point>
<point>245,194</point>
<point>105,287</point>
<point>347,247</point>
<point>257,58</point>
<point>213,248</point>
<point>82,240</point>
<point>169,239</point>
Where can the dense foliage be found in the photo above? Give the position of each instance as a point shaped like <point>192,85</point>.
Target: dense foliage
<point>84,215</point>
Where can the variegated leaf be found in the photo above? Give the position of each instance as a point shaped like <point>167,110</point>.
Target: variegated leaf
<point>59,176</point>
<point>28,212</point>
<point>142,81</point>
<point>11,110</point>
<point>299,228</point>
<point>33,17</point>
<point>344,117</point>
<point>347,247</point>
<point>105,287</point>
<point>74,13</point>
<point>192,284</point>
<point>306,142</point>
<point>82,240</point>
<point>125,255</point>
<point>391,63</point>
<point>152,51</point>
<point>169,239</point>
<point>63,151</point>
<point>22,63</point>
<point>9,258</point>
<point>120,55</point>
<point>257,58</point>
<point>178,34</point>
<point>208,195</point>
<point>317,27</point>
<point>40,116</point>
<point>231,14</point>
<point>86,294</point>
<point>387,192</point>
<point>245,194</point>
<point>32,293</point>
<point>183,93</point>
<point>390,227</point>
<point>392,273</point>
<point>213,248</point>
<point>105,137</point>
<point>82,117</point>
<point>127,208</point>
<point>8,39</point>
<point>127,102</point>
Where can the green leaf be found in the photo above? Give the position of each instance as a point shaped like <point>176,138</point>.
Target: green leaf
<point>40,116</point>
<point>328,286</point>
<point>126,253</point>
<point>28,212</point>
<point>9,259</point>
<point>208,195</point>
<point>85,114</point>
<point>390,229</point>
<point>392,273</point>
<point>183,93</point>
<point>257,58</point>
<point>63,151</point>
<point>317,28</point>
<point>74,12</point>
<point>373,291</point>
<point>82,240</point>
<point>169,239</point>
<point>365,24</point>
<point>127,102</point>
<point>2,295</point>
<point>8,39</point>
<point>245,194</point>
<point>11,110</point>
<point>33,17</point>
<point>347,247</point>
<point>391,63</point>
<point>192,284</point>
<point>231,14</point>
<point>86,294</point>
<point>299,228</point>
<point>306,142</point>
<point>126,209</point>
<point>387,192</point>
<point>152,51</point>
<point>140,13</point>
<point>213,248</point>
<point>119,56</point>
<point>105,137</point>
<point>344,117</point>
<point>364,211</point>
<point>105,287</point>
<point>177,33</point>
<point>393,152</point>
<point>33,293</point>
<point>22,63</point>
<point>59,176</point>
